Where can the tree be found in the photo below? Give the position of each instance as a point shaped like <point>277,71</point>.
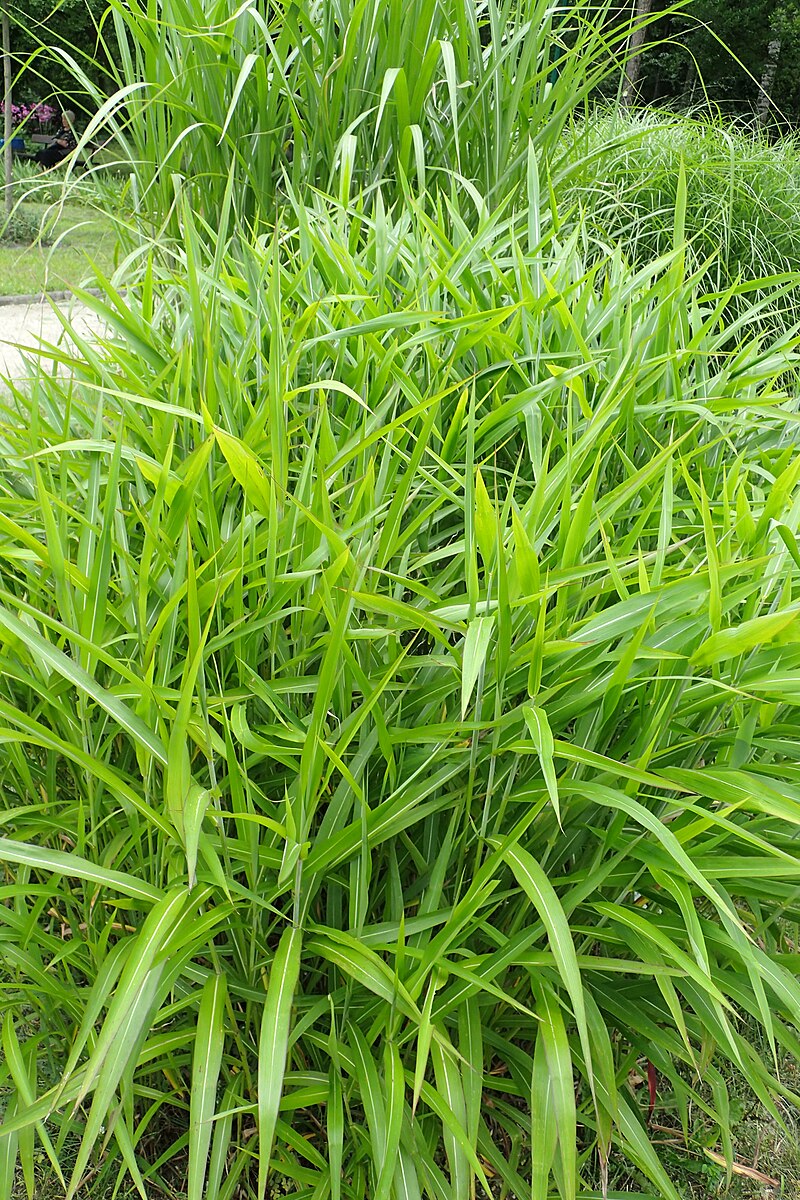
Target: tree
<point>41,26</point>
<point>633,66</point>
<point>784,26</point>
<point>7,119</point>
<point>743,58</point>
<point>764,105</point>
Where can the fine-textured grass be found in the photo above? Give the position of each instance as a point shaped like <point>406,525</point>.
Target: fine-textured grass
<point>91,187</point>
<point>398,646</point>
<point>743,191</point>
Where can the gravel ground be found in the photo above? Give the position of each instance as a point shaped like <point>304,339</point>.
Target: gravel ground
<point>23,325</point>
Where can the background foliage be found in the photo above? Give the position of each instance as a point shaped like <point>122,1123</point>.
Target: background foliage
<point>715,53</point>
<point>75,28</point>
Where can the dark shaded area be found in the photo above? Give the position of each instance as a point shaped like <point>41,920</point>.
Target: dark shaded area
<point>40,29</point>
<point>718,54</point>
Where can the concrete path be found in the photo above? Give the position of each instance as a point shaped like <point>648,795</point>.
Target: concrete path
<point>24,324</point>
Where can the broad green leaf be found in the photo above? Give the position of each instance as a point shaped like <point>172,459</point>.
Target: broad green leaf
<point>106,1068</point>
<point>394,1089</point>
<point>561,1093</point>
<point>57,862</point>
<point>206,1061</point>
<point>729,643</point>
<point>273,1043</point>
<point>335,1130</point>
<point>542,738</point>
<point>424,1035</point>
<point>544,1127</point>
<point>134,992</point>
<point>485,522</point>
<point>526,562</point>
<point>476,645</point>
<point>246,470</point>
<point>450,1087</point>
<point>361,964</point>
<point>542,895</point>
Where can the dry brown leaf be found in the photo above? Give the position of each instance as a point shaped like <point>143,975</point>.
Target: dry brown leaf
<point>741,1169</point>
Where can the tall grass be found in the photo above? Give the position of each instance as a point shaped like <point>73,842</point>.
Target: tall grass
<point>346,96</point>
<point>398,668</point>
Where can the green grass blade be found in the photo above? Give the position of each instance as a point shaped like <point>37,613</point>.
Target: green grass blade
<point>274,1042</point>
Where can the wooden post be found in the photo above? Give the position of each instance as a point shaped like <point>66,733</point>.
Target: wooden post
<point>7,122</point>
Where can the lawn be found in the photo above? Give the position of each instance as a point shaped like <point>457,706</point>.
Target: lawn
<point>78,237</point>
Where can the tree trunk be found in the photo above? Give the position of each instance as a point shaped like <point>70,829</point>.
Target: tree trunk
<point>7,122</point>
<point>764,106</point>
<point>633,64</point>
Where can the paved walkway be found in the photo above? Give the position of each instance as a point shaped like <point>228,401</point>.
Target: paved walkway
<point>24,324</point>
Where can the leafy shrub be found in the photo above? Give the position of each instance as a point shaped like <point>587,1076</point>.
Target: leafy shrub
<point>21,228</point>
<point>40,115</point>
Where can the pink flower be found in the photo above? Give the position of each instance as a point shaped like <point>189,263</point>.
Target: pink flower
<point>42,114</point>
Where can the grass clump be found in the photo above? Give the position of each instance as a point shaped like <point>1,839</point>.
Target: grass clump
<point>20,228</point>
<point>428,744</point>
<point>398,647</point>
<point>346,98</point>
